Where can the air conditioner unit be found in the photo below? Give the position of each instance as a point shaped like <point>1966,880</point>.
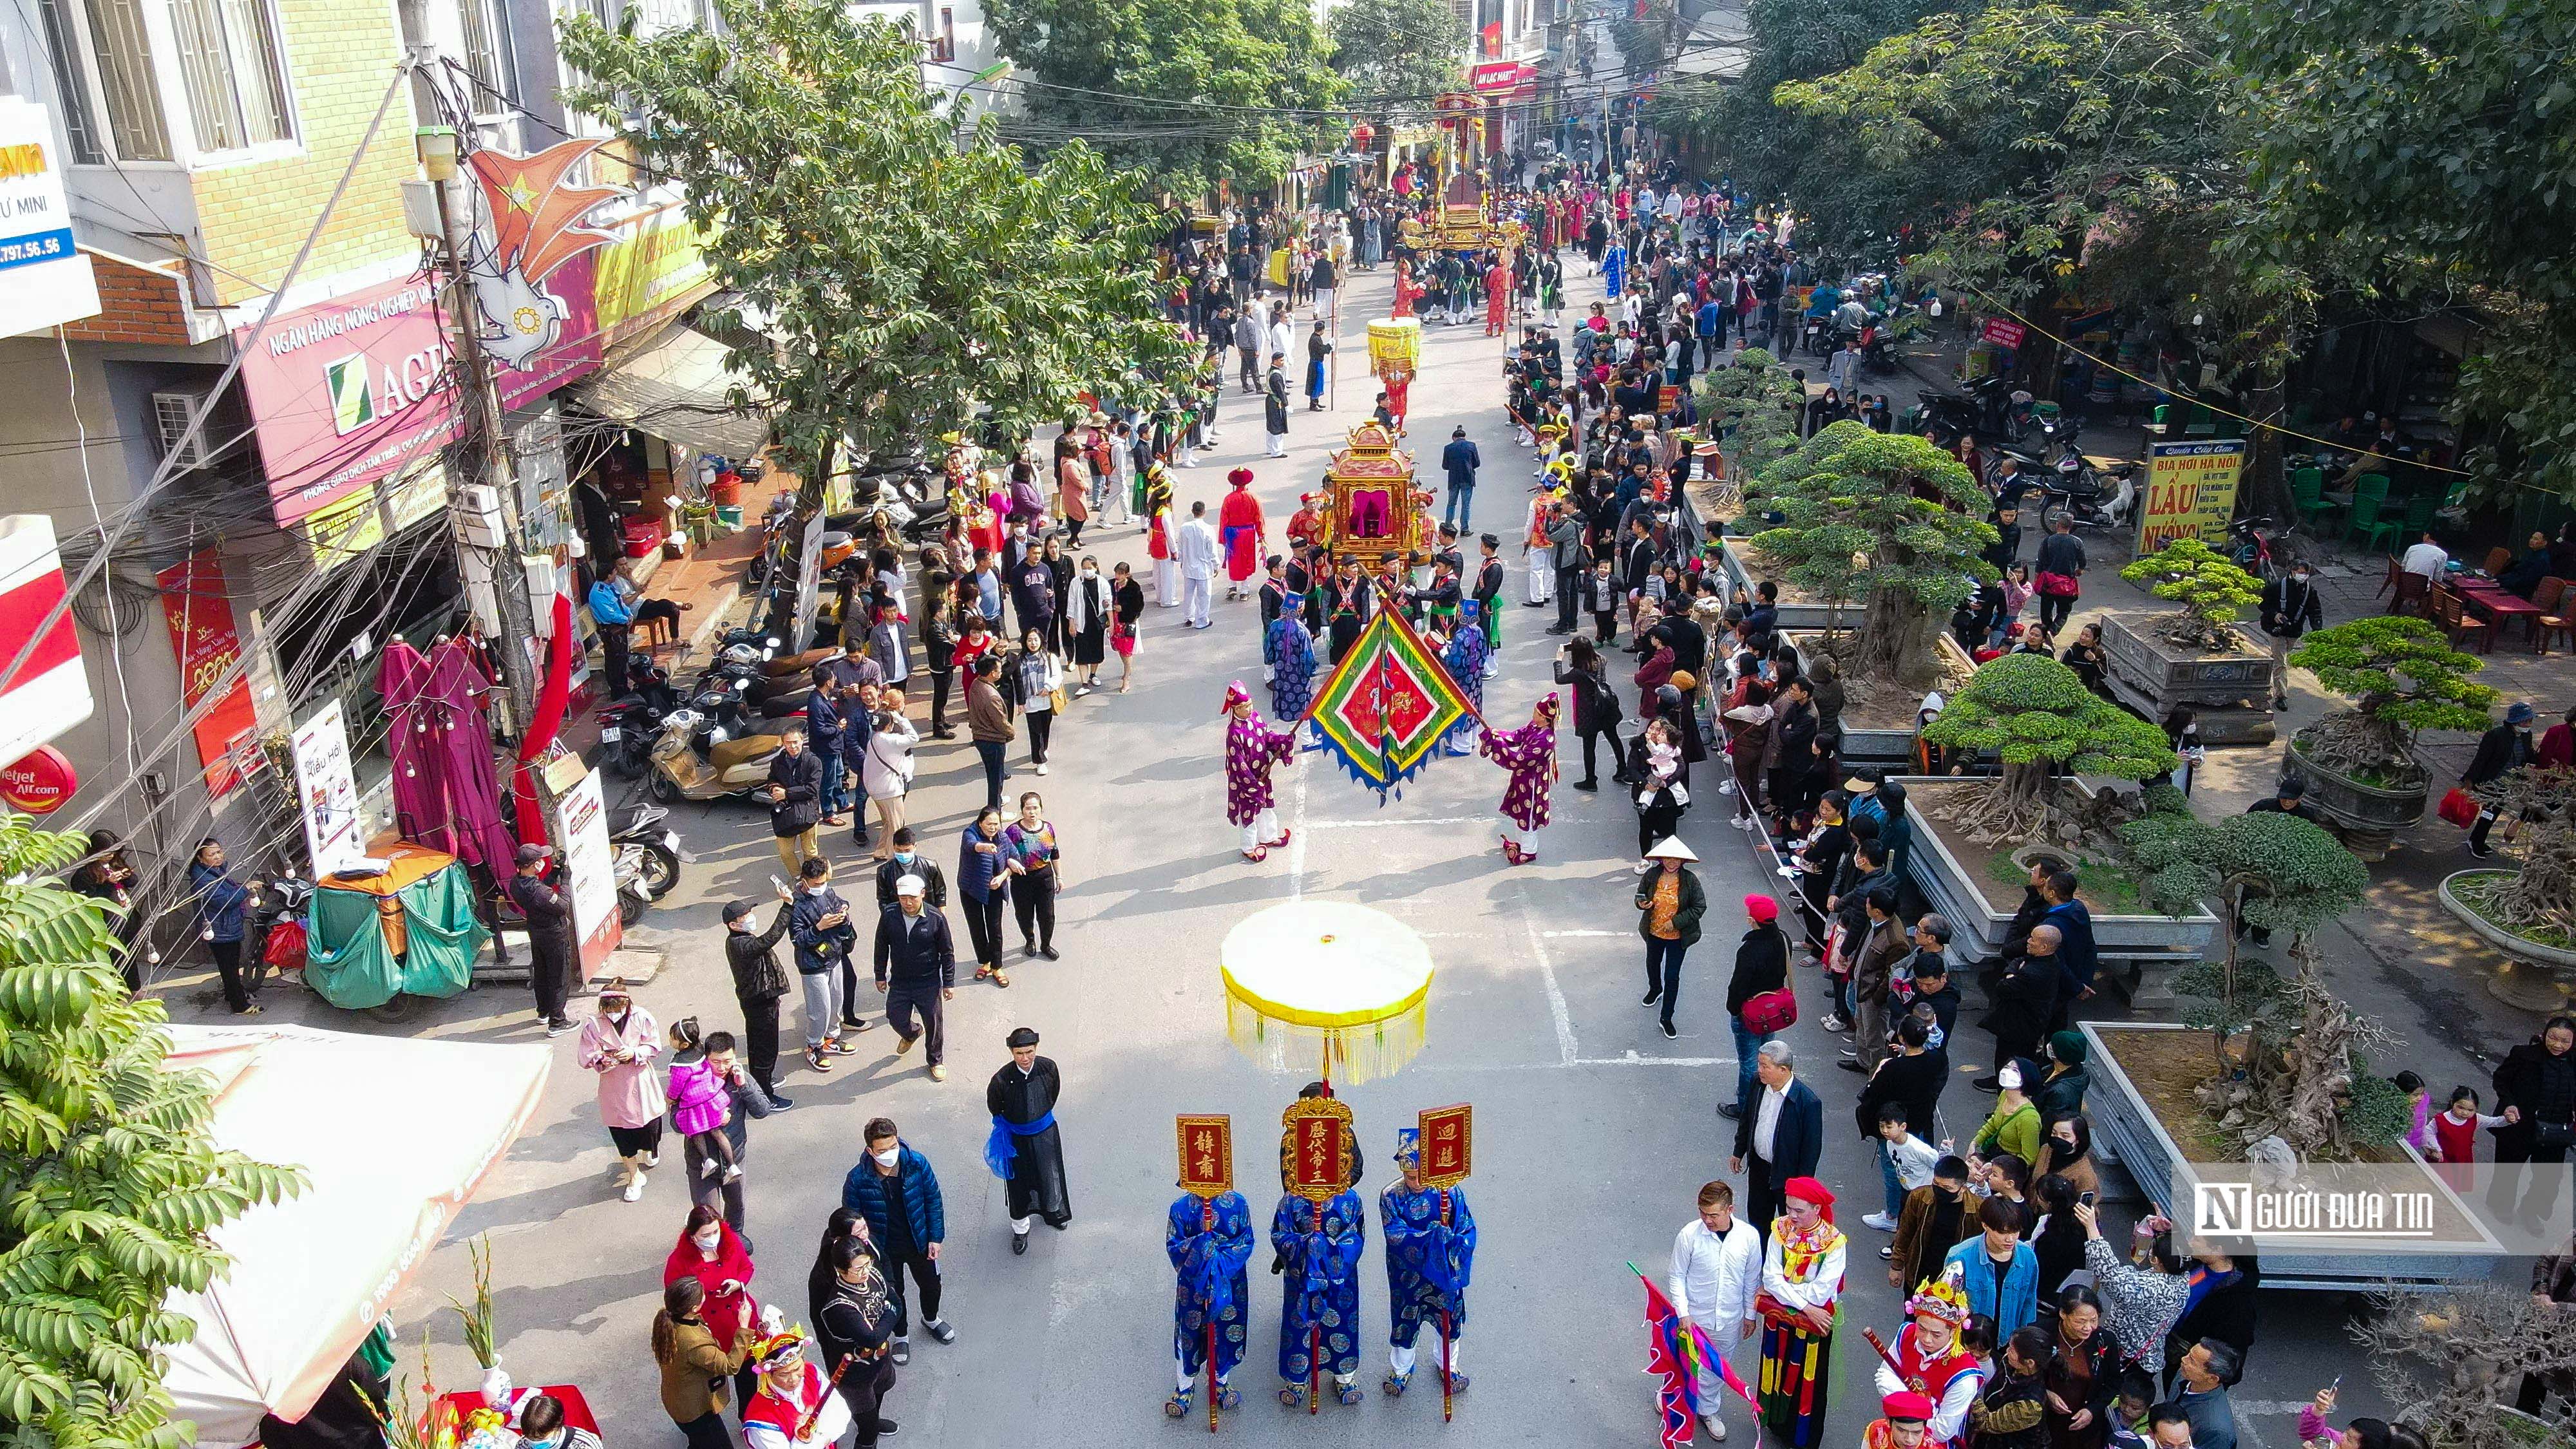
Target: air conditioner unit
<point>171,414</point>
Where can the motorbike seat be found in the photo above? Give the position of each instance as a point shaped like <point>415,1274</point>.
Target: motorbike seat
<point>726,754</point>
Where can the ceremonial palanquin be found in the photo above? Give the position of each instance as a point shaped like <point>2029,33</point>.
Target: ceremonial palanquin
<point>1376,509</point>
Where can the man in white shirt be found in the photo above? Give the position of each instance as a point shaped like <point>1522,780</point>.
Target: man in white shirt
<point>1715,1277</point>
<point>2426,558</point>
<point>1280,335</point>
<point>1198,550</point>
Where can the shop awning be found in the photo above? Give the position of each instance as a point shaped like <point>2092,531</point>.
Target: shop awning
<point>393,1135</point>
<point>676,387</point>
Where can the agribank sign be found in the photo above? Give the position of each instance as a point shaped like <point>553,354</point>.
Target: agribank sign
<point>348,393</point>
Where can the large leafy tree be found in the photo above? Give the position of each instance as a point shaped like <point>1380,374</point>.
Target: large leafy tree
<point>913,278</point>
<point>1196,91</point>
<point>2437,135</point>
<point>1877,517</point>
<point>110,1182</point>
<point>1398,49</point>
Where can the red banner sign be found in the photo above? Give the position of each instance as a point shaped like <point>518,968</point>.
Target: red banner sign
<point>40,783</point>
<point>1447,1144</point>
<point>1498,77</point>
<point>200,613</point>
<point>2004,334</point>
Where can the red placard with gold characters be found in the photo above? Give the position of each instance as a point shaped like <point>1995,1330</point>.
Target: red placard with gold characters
<point>1318,1134</point>
<point>1207,1154</point>
<point>1448,1144</point>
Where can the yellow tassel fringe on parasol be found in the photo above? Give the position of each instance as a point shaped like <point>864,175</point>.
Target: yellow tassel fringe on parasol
<point>1329,984</point>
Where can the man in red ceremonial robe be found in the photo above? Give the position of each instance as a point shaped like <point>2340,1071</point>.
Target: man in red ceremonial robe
<point>1240,529</point>
<point>1498,299</point>
<point>1405,290</point>
<point>1305,525</point>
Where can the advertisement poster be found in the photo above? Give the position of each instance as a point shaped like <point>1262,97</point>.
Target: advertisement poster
<point>655,263</point>
<point>200,613</point>
<point>2003,334</point>
<point>326,792</point>
<point>44,278</point>
<point>2191,492</point>
<point>49,694</point>
<point>589,871</point>
<point>39,782</point>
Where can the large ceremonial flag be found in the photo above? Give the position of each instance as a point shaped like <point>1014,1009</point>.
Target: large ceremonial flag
<point>1387,702</point>
<point>1676,1351</point>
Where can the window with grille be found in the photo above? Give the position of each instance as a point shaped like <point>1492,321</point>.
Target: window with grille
<point>483,55</point>
<point>106,66</point>
<point>233,73</point>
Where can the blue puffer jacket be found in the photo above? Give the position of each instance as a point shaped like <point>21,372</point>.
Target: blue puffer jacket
<point>220,899</point>
<point>924,1215</point>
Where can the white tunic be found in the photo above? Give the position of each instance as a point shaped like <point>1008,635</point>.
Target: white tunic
<point>1713,1280</point>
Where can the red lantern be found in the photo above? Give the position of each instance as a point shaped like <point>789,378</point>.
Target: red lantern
<point>39,782</point>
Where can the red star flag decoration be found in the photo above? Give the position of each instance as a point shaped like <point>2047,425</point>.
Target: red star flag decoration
<point>1387,702</point>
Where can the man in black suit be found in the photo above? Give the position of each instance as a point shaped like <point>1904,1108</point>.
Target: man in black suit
<point>1781,1137</point>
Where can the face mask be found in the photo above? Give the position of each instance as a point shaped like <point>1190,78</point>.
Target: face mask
<point>887,1157</point>
<point>707,1241</point>
<point>905,856</point>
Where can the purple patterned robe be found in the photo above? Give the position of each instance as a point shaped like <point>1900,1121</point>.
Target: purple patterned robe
<point>1529,754</point>
<point>1252,747</point>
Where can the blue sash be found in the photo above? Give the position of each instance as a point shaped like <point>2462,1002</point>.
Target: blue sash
<point>1000,1153</point>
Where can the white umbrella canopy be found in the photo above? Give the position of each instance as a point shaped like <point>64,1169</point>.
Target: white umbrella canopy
<point>393,1137</point>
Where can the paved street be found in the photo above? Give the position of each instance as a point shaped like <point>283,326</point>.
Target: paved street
<point>1593,1130</point>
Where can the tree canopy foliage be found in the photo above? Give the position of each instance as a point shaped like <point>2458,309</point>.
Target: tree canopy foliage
<point>912,278</point>
<point>1397,48</point>
<point>1194,91</point>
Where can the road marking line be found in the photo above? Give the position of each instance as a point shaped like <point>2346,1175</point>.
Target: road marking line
<point>1556,1007</point>
<point>1630,1060</point>
<point>1385,821</point>
<point>1565,935</point>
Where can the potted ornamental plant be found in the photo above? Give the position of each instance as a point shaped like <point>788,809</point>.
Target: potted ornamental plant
<point>2403,677</point>
<point>2268,1067</point>
<point>2194,655</point>
<point>2527,909</point>
<point>1977,838</point>
<point>1878,527</point>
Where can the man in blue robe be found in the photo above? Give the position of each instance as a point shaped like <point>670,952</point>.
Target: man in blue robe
<point>1320,1315</point>
<point>1290,652</point>
<point>1430,1253</point>
<point>1465,660</point>
<point>1209,1240</point>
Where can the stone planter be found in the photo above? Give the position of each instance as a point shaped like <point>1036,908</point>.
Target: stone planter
<point>2231,693</point>
<point>2366,816</point>
<point>2126,1122</point>
<point>2535,976</point>
<point>2139,954</point>
<point>1795,612</point>
<point>1890,747</point>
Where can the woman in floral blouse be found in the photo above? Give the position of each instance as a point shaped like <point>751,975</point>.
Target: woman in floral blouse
<point>1031,853</point>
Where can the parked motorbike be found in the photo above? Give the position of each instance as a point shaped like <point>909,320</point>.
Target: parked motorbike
<point>633,900</point>
<point>657,847</point>
<point>724,767</point>
<point>277,933</point>
<point>2261,547</point>
<point>2074,490</point>
<point>1990,408</point>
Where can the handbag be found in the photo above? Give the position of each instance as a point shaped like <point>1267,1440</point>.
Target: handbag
<point>1056,699</point>
<point>1775,1010</point>
<point>2459,807</point>
<point>2058,586</point>
<point>2554,1135</point>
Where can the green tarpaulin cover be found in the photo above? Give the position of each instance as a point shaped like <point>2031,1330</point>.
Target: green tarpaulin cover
<point>348,961</point>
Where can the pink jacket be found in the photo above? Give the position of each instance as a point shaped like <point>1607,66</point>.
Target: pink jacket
<point>699,1101</point>
<point>630,1093</point>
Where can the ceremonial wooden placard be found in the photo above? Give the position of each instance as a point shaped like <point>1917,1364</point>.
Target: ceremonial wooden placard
<point>1318,1129</point>
<point>1207,1154</point>
<point>1448,1144</point>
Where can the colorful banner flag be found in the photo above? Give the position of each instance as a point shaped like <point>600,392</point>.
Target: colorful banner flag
<point>1677,1352</point>
<point>1387,702</point>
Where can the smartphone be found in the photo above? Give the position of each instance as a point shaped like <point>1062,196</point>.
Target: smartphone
<point>780,884</point>
<point>2085,1197</point>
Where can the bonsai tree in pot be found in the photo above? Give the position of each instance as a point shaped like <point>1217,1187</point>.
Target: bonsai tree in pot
<point>1751,406</point>
<point>2403,677</point>
<point>2036,716</point>
<point>1880,518</point>
<point>2211,589</point>
<point>2290,1058</point>
<point>2537,897</point>
<point>2454,1353</point>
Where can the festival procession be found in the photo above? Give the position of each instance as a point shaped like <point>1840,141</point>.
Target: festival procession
<point>1207,619</point>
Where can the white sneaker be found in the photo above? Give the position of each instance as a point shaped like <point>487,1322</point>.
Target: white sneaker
<point>1726,787</point>
<point>1880,1221</point>
<point>634,1189</point>
<point>1041,769</point>
<point>1715,1426</point>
